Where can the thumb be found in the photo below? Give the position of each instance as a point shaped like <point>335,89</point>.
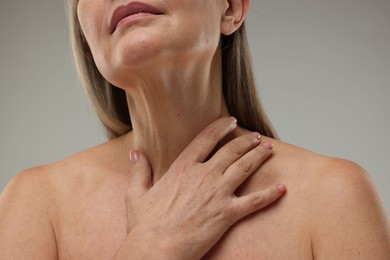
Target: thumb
<point>141,177</point>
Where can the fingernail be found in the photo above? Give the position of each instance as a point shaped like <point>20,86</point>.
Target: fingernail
<point>257,136</point>
<point>234,119</point>
<point>134,155</point>
<point>282,188</point>
<point>268,145</point>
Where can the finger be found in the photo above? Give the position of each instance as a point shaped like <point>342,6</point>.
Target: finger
<point>141,176</point>
<point>250,203</point>
<point>244,167</point>
<point>204,143</point>
<point>233,151</point>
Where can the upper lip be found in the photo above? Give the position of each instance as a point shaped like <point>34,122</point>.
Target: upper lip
<point>130,9</point>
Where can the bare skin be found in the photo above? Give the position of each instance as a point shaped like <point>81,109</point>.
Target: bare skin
<point>331,209</point>
<point>81,207</point>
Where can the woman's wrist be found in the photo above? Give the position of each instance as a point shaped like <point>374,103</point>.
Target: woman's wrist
<point>142,243</point>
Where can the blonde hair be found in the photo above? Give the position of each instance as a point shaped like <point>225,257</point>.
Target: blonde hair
<point>239,86</point>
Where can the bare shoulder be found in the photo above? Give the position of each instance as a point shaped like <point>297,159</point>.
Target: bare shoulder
<point>26,209</point>
<point>323,173</point>
<point>345,216</point>
<point>344,180</point>
<point>27,181</point>
<point>37,186</point>
<point>32,201</point>
<point>30,187</point>
<point>348,218</point>
<point>79,168</point>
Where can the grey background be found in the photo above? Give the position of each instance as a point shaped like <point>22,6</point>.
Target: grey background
<point>323,68</point>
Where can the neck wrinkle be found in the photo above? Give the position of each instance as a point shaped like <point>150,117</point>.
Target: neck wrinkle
<point>167,116</point>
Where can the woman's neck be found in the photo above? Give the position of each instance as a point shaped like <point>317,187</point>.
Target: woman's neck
<point>168,113</point>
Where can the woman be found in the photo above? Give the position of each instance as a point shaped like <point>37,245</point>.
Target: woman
<point>178,73</point>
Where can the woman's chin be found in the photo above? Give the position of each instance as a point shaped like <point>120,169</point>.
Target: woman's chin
<point>147,56</point>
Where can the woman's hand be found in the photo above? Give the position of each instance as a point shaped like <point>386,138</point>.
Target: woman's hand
<point>188,210</point>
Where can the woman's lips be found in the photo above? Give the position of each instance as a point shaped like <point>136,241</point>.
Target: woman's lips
<point>131,9</point>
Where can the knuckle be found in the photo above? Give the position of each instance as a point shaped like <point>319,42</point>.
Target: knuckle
<point>229,212</point>
<point>244,166</point>
<point>181,167</point>
<point>262,151</point>
<point>140,168</point>
<point>235,149</point>
<point>209,134</point>
<point>257,200</point>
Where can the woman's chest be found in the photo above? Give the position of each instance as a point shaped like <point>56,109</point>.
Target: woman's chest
<point>95,228</point>
<point>264,236</point>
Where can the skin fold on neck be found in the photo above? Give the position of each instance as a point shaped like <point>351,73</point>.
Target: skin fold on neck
<point>171,107</point>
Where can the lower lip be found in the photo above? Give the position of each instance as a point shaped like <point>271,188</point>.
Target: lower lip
<point>132,18</point>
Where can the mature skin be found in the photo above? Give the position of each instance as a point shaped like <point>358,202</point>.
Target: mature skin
<point>171,71</point>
